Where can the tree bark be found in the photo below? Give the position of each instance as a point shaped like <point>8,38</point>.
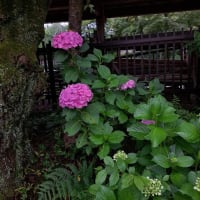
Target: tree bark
<point>75,15</point>
<point>21,29</point>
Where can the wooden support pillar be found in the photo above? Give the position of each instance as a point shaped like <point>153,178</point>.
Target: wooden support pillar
<point>75,15</point>
<point>100,21</point>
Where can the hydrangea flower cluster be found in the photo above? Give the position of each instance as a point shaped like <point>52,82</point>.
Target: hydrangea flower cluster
<point>148,122</point>
<point>67,40</point>
<point>120,154</point>
<point>75,96</point>
<point>128,85</point>
<point>153,188</point>
<point>197,184</point>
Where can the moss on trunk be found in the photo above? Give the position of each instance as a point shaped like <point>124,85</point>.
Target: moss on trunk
<point>20,78</point>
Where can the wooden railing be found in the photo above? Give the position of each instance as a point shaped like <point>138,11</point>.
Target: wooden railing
<point>164,55</point>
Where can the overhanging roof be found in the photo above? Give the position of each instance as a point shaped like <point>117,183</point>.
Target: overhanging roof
<point>58,9</point>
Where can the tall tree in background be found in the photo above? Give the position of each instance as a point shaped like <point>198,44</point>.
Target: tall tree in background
<point>21,29</point>
<point>155,23</point>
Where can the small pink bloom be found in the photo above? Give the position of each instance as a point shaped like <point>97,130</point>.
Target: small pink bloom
<point>148,122</point>
<point>128,85</point>
<point>67,40</point>
<point>75,96</point>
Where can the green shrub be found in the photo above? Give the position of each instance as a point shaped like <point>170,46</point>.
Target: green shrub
<point>144,148</point>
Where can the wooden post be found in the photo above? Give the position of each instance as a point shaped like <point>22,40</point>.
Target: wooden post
<point>100,21</point>
<point>75,15</point>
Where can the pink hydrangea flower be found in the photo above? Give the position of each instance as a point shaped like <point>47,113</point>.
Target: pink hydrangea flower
<point>148,122</point>
<point>67,40</point>
<point>75,96</point>
<point>128,85</point>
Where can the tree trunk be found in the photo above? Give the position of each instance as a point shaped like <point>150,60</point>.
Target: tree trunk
<point>75,15</point>
<point>22,27</point>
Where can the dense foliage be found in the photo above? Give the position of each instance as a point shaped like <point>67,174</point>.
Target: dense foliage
<point>140,145</point>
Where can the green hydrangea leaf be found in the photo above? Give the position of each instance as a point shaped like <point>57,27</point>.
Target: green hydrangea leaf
<point>162,160</point>
<point>104,150</point>
<point>185,161</point>
<point>116,137</point>
<point>188,132</point>
<point>127,180</point>
<point>101,177</point>
<point>157,136</point>
<point>72,127</point>
<point>104,72</point>
<point>114,178</point>
<point>105,193</point>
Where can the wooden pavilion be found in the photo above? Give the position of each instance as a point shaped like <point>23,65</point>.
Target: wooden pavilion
<point>58,10</point>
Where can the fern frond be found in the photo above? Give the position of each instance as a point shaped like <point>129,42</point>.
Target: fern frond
<point>55,185</point>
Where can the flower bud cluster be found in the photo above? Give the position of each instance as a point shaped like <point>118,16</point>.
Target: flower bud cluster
<point>197,184</point>
<point>128,85</point>
<point>120,154</point>
<point>153,188</point>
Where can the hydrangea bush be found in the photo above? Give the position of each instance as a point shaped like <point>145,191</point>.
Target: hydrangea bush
<point>144,149</point>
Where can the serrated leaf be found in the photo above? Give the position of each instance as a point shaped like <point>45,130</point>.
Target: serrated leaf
<point>104,72</point>
<point>139,182</point>
<point>90,118</point>
<point>192,177</point>
<point>114,178</point>
<point>96,107</point>
<point>122,118</point>
<point>110,97</point>
<point>97,52</point>
<point>178,178</point>
<point>138,130</point>
<point>127,180</point>
<point>116,137</point>
<point>122,104</point>
<point>114,83</point>
<point>81,140</point>
<point>132,158</point>
<point>69,114</point>
<point>168,115</point>
<point>60,56</point>
<point>101,177</point>
<point>85,47</point>
<point>131,193</point>
<point>71,74</point>
<point>105,193</point>
<point>84,63</point>
<point>98,84</point>
<point>185,161</point>
<point>92,57</point>
<point>142,112</point>
<point>109,161</point>
<point>187,189</point>
<point>155,86</point>
<point>72,127</point>
<point>161,160</point>
<point>157,136</point>
<point>188,132</point>
<point>94,188</point>
<point>107,58</point>
<point>103,151</point>
<point>96,139</point>
<point>121,164</point>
